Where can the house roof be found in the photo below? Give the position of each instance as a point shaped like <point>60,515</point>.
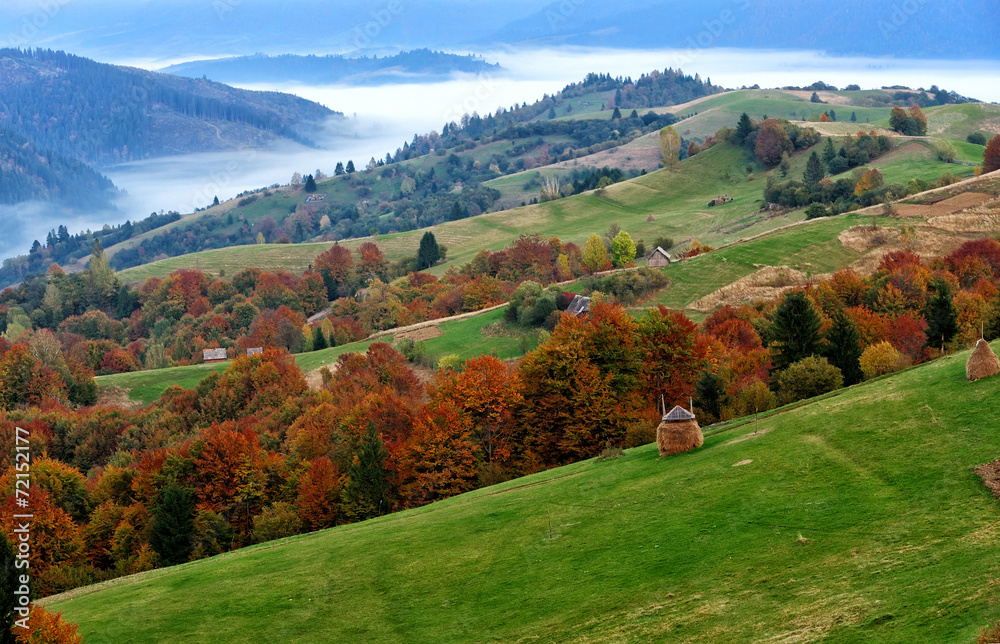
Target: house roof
<point>678,413</point>
<point>579,305</point>
<point>659,251</point>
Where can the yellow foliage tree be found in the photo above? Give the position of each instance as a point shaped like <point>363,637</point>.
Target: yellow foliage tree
<point>880,359</point>
<point>670,147</point>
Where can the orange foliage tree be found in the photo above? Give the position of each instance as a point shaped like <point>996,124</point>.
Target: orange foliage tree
<point>486,391</point>
<point>317,495</point>
<point>441,457</point>
<point>991,157</point>
<point>47,628</point>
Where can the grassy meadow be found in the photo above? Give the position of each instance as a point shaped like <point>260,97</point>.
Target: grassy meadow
<point>854,517</point>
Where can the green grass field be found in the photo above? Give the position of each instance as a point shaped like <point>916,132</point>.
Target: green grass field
<point>464,338</point>
<point>853,518</point>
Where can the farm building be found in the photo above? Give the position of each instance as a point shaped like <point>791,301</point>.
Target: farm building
<point>658,258</point>
<point>255,351</point>
<point>214,355</point>
<point>579,306</point>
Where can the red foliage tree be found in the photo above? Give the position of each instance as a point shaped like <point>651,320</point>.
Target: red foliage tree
<point>672,358</point>
<point>991,157</point>
<point>772,142</point>
<point>317,495</point>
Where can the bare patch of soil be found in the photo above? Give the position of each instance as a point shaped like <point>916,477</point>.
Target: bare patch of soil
<point>117,397</point>
<point>990,473</point>
<point>425,333</point>
<point>767,283</point>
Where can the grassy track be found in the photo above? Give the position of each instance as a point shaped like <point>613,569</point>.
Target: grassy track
<point>855,518</point>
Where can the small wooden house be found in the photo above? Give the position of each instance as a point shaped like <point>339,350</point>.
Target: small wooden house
<point>214,355</point>
<point>579,307</point>
<point>658,258</point>
<point>255,351</point>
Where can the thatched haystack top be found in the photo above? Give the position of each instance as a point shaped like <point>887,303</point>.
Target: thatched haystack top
<point>677,436</point>
<point>677,414</point>
<point>983,363</point>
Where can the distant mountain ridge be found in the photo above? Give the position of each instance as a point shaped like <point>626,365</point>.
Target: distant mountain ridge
<point>418,65</point>
<point>913,29</point>
<point>115,29</point>
<point>103,114</point>
<point>27,174</point>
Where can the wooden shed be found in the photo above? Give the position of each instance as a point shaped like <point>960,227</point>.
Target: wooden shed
<point>214,355</point>
<point>658,258</point>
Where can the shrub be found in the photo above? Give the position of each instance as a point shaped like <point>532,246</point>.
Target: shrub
<point>880,359</point>
<point>816,210</point>
<point>48,628</point>
<point>450,362</point>
<point>809,377</point>
<point>276,522</point>
<point>754,398</point>
<point>976,138</point>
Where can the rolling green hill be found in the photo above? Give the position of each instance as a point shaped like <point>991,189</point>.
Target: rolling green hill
<point>854,517</point>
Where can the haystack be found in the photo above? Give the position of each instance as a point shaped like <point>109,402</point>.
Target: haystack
<point>983,363</point>
<point>678,432</point>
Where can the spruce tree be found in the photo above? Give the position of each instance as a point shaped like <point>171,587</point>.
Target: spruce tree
<point>795,330</point>
<point>429,253</point>
<point>744,127</point>
<point>350,167</point>
<point>843,348</point>
<point>173,525</point>
<point>366,493</point>
<point>8,584</point>
<point>310,184</point>
<point>814,171</point>
<point>339,169</point>
<point>940,314</point>
<point>319,339</point>
<point>829,153</point>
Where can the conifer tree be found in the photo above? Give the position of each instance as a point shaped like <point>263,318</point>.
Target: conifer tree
<point>429,252</point>
<point>173,525</point>
<point>814,171</point>
<point>744,127</point>
<point>310,184</point>
<point>844,347</point>
<point>941,318</point>
<point>829,153</point>
<point>795,330</point>
<point>366,493</point>
<point>8,584</point>
<point>319,339</point>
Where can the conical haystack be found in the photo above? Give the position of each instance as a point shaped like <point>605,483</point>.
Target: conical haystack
<point>678,432</point>
<point>983,363</point>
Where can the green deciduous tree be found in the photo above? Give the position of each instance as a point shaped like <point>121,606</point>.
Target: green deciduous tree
<point>622,249</point>
<point>595,255</point>
<point>808,377</point>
